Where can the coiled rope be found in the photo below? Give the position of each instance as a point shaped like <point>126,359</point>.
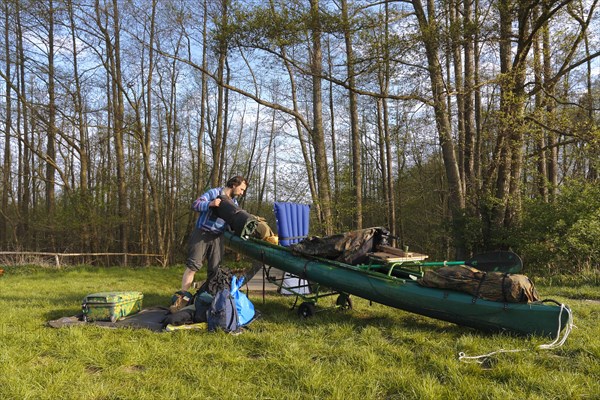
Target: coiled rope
<point>557,342</point>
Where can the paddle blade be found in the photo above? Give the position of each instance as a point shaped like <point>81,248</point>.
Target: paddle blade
<point>496,261</point>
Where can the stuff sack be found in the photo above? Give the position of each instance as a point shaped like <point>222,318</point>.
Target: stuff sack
<point>350,248</point>
<point>493,286</point>
<point>242,222</point>
<point>222,313</point>
<point>243,305</point>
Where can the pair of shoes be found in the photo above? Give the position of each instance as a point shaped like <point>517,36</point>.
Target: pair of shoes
<point>179,300</point>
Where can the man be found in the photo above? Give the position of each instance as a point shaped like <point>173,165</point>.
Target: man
<point>206,241</point>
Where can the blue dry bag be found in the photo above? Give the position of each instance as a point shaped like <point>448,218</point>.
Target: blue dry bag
<point>245,308</point>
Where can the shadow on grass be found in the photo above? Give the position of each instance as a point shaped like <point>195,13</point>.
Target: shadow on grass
<point>31,299</point>
<point>275,310</point>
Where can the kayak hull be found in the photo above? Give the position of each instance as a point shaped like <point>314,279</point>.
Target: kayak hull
<point>460,308</point>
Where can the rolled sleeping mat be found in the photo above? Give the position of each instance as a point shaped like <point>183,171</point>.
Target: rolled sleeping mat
<point>292,222</point>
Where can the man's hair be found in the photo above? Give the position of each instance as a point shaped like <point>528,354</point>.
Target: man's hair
<point>236,181</point>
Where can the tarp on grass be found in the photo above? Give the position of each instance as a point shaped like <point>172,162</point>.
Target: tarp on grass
<point>148,318</point>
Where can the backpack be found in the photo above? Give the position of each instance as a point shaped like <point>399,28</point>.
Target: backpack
<point>202,303</point>
<point>222,313</point>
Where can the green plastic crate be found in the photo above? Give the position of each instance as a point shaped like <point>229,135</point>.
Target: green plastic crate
<point>111,306</point>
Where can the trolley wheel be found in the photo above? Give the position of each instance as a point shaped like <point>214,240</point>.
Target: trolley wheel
<point>306,310</point>
<point>344,302</point>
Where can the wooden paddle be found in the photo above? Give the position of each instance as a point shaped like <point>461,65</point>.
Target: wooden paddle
<point>492,261</point>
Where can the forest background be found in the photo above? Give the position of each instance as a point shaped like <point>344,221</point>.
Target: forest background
<point>461,126</point>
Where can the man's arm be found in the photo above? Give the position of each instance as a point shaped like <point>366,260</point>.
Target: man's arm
<point>208,199</point>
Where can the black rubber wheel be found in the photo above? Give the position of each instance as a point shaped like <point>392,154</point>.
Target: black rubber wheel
<point>306,310</point>
<point>344,302</point>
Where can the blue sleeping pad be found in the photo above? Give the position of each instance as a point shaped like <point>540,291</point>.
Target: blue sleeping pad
<point>292,226</point>
<point>292,222</point>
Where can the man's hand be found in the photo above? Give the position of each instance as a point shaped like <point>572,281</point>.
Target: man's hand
<point>215,203</point>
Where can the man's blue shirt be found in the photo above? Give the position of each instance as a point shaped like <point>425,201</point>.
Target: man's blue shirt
<point>208,220</point>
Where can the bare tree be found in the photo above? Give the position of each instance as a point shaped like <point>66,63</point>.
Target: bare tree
<point>354,132</point>
<point>6,165</point>
<point>428,28</point>
<point>217,139</point>
<point>317,132</point>
<point>114,71</point>
<point>51,127</point>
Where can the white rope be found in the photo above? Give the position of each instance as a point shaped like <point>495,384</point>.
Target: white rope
<point>553,345</point>
<point>558,341</point>
<point>468,359</point>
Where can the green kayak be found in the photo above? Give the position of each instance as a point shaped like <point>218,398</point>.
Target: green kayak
<point>539,318</point>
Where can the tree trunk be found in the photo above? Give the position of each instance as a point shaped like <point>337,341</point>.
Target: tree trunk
<point>318,136</point>
<point>381,152</point>
<point>225,123</point>
<point>261,197</point>
<point>119,130</point>
<point>250,164</point>
<point>81,127</point>
<point>354,132</point>
<point>118,113</point>
<point>477,145</point>
<point>540,181</point>
<point>593,166</point>
<point>429,31</point>
<point>23,232</point>
<point>469,155</point>
<point>304,146</point>
<point>332,133</point>
<point>552,141</point>
<point>218,137</point>
<point>51,128</point>
<point>146,147</point>
<point>6,165</point>
<point>391,203</point>
<point>455,46</point>
<point>203,100</point>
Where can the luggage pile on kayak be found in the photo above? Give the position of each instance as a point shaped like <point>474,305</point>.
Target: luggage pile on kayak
<point>352,247</point>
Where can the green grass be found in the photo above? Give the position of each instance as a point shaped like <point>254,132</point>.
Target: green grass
<point>371,352</point>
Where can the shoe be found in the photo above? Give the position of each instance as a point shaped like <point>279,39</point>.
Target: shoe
<point>179,301</point>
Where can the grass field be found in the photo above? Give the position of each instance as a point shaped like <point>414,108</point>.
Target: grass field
<point>370,352</point>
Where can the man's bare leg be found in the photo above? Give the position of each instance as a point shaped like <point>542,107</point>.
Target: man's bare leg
<point>188,279</point>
